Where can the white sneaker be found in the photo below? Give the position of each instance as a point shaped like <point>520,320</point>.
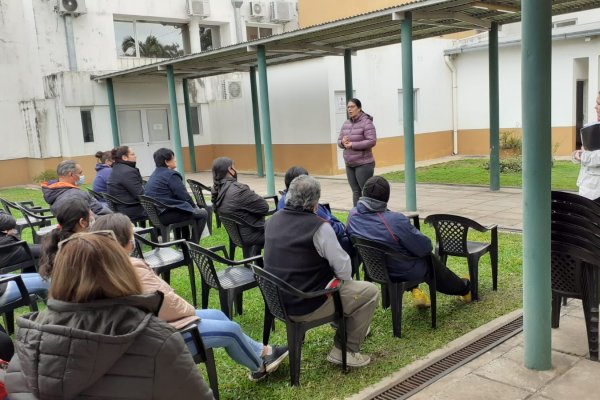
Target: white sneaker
<point>354,360</point>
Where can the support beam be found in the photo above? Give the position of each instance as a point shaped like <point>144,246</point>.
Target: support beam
<point>537,162</point>
<point>112,109</point>
<point>188,122</point>
<point>408,114</point>
<point>348,74</point>
<point>256,118</point>
<point>266,117</point>
<point>494,109</point>
<point>175,121</point>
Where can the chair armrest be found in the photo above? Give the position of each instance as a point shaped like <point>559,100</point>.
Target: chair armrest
<point>247,260</point>
<point>275,200</point>
<point>225,260</point>
<point>220,247</point>
<point>178,243</point>
<point>192,329</point>
<point>20,285</point>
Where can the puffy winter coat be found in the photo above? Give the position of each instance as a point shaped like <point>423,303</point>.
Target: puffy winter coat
<point>371,219</point>
<point>588,180</point>
<point>107,349</point>
<point>237,199</point>
<point>59,192</point>
<point>102,173</point>
<point>125,183</point>
<point>361,132</point>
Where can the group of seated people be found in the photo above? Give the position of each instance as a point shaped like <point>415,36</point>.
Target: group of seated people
<point>85,266</point>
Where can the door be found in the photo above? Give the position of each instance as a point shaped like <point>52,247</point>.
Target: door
<point>145,131</point>
<point>579,111</point>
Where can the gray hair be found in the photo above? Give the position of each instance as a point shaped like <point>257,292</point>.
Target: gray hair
<point>65,167</point>
<point>304,193</point>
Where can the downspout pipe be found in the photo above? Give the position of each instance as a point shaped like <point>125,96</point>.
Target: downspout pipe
<point>452,68</point>
<point>68,20</point>
<point>237,17</point>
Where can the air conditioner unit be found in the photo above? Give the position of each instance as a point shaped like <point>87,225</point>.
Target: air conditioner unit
<point>231,89</point>
<point>199,8</point>
<point>281,11</point>
<point>258,9</point>
<point>71,7</point>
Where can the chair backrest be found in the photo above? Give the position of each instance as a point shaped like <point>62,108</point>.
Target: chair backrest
<point>197,189</point>
<point>451,232</point>
<point>204,259</point>
<point>6,205</point>
<point>569,255</point>
<point>569,199</point>
<point>111,201</point>
<point>11,247</point>
<point>374,256</point>
<point>97,195</point>
<point>232,225</point>
<point>152,207</point>
<point>273,289</point>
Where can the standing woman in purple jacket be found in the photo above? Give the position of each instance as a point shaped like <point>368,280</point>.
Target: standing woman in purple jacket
<point>357,138</point>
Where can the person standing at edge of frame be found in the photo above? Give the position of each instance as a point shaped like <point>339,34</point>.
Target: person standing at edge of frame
<point>357,138</point>
<point>588,180</point>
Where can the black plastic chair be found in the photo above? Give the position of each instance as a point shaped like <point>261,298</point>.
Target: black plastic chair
<point>163,258</point>
<point>23,265</point>
<point>203,355</point>
<point>197,190</point>
<point>233,227</point>
<point>13,209</point>
<point>451,240</point>
<point>26,299</point>
<point>97,196</point>
<point>575,274</point>
<point>275,198</point>
<point>39,223</point>
<point>116,205</point>
<point>230,282</point>
<point>154,207</point>
<point>274,291</point>
<point>375,257</point>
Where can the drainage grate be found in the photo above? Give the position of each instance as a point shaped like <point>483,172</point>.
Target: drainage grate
<point>438,369</point>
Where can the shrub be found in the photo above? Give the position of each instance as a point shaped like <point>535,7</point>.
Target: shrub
<point>512,164</point>
<point>45,176</point>
<point>510,141</point>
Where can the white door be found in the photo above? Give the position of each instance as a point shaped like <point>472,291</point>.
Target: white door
<point>145,131</point>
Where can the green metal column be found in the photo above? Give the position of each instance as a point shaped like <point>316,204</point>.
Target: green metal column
<point>175,120</point>
<point>266,117</point>
<point>188,121</point>
<point>348,74</point>
<point>537,163</point>
<point>112,109</point>
<point>256,118</point>
<point>409,114</point>
<point>494,110</point>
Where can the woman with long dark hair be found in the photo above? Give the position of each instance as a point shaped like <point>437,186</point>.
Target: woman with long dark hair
<point>125,183</point>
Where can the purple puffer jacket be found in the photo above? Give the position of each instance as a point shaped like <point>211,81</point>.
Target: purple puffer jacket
<point>361,133</point>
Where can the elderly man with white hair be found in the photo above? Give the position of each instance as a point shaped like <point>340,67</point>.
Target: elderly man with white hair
<point>302,249</point>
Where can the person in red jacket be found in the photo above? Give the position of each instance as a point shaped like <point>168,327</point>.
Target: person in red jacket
<point>357,138</point>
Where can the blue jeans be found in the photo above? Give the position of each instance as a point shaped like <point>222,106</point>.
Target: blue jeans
<point>34,284</point>
<point>219,331</point>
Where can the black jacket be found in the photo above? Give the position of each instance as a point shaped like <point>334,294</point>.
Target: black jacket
<point>125,183</point>
<point>237,199</point>
<point>166,185</point>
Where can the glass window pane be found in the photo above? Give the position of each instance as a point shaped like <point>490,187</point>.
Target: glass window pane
<point>158,125</point>
<point>265,32</point>
<point>196,120</point>
<point>130,126</point>
<point>206,39</point>
<point>86,125</point>
<point>159,40</point>
<point>251,33</point>
<point>124,38</point>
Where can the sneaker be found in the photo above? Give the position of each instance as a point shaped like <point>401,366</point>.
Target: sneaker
<point>354,360</point>
<point>272,361</point>
<point>420,299</point>
<point>467,297</point>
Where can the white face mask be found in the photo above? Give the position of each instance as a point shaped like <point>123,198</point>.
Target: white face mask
<point>81,180</point>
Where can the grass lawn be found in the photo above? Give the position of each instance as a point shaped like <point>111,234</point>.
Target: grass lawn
<point>472,172</point>
<point>321,380</point>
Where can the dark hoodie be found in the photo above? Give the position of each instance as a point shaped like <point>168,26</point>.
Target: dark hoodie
<point>59,192</point>
<point>107,349</point>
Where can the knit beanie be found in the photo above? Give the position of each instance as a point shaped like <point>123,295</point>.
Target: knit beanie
<point>7,222</point>
<point>378,188</point>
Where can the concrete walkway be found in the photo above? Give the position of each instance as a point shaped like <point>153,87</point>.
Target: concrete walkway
<point>503,207</point>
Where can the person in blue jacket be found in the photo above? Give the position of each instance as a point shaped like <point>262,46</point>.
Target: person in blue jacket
<point>322,211</point>
<point>166,185</point>
<point>372,220</point>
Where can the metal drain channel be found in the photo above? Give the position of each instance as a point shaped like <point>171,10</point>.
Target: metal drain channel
<point>442,367</point>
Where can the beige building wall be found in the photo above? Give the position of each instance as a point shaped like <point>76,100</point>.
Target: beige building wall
<point>313,12</point>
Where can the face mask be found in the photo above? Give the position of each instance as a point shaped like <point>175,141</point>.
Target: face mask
<point>234,173</point>
<point>91,222</point>
<point>81,180</point>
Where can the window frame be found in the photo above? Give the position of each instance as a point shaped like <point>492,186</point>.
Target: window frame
<point>91,124</point>
<point>183,26</point>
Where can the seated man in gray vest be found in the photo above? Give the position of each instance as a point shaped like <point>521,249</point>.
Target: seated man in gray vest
<point>302,249</point>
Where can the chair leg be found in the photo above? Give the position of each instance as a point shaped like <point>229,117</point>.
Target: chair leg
<point>269,321</point>
<point>494,261</point>
<point>239,303</point>
<point>344,340</point>
<point>473,277</point>
<point>395,294</point>
<point>556,300</point>
<point>224,300</point>
<point>166,275</point>
<point>212,372</point>
<point>9,322</point>
<point>590,306</point>
<point>205,294</point>
<point>218,220</point>
<point>294,337</point>
<point>385,297</point>
<point>193,283</point>
<point>433,299</point>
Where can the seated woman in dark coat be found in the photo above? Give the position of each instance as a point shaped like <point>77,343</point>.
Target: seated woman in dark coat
<point>125,183</point>
<point>166,185</point>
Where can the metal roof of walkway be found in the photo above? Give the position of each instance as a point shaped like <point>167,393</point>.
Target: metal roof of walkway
<point>431,18</point>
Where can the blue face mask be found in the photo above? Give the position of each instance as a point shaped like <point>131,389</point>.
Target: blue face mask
<point>81,180</point>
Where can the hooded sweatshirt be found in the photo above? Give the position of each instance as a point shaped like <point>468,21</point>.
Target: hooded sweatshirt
<point>107,349</point>
<point>58,192</point>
